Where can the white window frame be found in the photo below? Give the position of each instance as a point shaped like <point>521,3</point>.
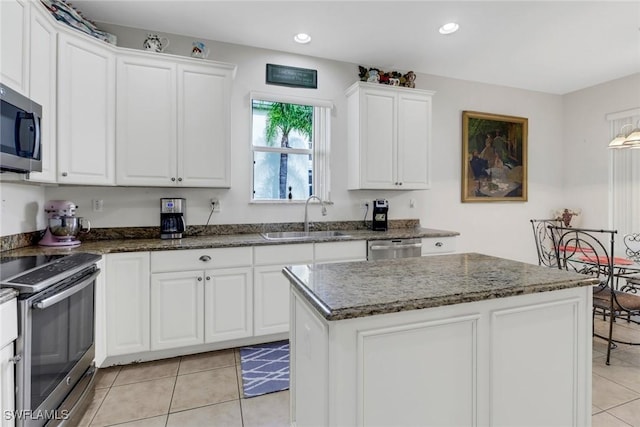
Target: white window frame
<point>322,110</point>
<point>624,180</point>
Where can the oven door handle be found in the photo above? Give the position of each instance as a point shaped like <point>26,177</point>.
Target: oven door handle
<point>54,299</point>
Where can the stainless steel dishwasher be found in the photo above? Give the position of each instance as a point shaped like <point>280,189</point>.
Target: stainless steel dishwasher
<point>393,248</point>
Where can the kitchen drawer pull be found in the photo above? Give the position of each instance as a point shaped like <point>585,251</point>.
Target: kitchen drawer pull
<point>439,244</point>
<point>205,258</point>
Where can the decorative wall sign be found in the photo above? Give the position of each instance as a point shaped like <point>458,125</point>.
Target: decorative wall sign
<point>494,158</point>
<point>282,75</point>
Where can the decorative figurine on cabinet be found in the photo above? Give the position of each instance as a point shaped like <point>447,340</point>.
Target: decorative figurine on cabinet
<point>410,79</point>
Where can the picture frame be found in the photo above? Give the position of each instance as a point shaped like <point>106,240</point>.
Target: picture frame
<point>494,157</point>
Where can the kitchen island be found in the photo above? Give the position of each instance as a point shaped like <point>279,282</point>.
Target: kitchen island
<point>464,339</point>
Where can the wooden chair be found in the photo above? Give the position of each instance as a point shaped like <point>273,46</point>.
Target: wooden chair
<point>544,242</point>
<point>589,251</point>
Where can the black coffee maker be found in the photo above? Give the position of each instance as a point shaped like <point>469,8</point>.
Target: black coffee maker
<point>380,210</point>
<point>172,223</point>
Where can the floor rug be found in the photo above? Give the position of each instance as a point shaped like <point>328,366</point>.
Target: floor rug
<point>265,368</point>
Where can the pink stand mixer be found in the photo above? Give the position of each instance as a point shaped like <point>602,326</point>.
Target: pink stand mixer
<point>63,226</point>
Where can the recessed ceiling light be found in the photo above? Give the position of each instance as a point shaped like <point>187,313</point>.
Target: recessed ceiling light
<point>302,38</point>
<point>449,28</point>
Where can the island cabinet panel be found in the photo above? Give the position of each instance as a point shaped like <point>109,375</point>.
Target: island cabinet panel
<point>426,377</point>
<point>532,347</point>
<point>512,361</point>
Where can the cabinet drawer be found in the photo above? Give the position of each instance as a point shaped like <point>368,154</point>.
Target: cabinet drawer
<point>438,245</point>
<point>283,254</point>
<point>9,322</point>
<point>196,259</point>
<point>341,251</point>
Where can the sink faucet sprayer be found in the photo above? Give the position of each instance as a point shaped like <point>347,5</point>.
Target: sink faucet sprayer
<point>306,209</point>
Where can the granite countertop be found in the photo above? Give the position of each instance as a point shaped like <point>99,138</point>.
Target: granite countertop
<point>7,294</point>
<point>220,241</point>
<point>357,289</point>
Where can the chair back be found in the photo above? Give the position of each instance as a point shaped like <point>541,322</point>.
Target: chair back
<point>585,251</point>
<point>544,242</point>
<point>632,246</point>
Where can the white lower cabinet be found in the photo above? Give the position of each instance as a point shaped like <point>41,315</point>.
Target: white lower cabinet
<point>271,287</point>
<point>438,245</point>
<point>8,333</point>
<point>126,303</point>
<point>192,304</point>
<point>228,304</point>
<point>177,309</point>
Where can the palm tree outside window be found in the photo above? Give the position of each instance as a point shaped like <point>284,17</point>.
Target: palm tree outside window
<point>288,163</point>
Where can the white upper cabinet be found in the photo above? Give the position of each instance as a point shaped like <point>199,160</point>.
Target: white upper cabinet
<point>174,114</point>
<point>14,43</point>
<point>86,111</point>
<point>389,137</point>
<point>146,124</point>
<point>42,87</point>
<point>204,122</point>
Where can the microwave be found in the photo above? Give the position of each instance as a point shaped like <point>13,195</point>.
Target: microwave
<point>20,149</point>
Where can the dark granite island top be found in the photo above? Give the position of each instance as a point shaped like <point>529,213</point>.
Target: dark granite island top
<point>357,289</point>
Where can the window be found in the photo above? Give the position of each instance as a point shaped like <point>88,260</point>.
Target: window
<point>624,190</point>
<point>290,148</point>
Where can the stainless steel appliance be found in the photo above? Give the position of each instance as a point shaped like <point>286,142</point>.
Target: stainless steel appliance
<point>394,248</point>
<point>63,226</point>
<point>19,132</point>
<point>55,346</point>
<point>380,210</point>
<point>172,223</point>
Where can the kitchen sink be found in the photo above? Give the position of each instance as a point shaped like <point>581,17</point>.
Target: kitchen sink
<point>296,235</point>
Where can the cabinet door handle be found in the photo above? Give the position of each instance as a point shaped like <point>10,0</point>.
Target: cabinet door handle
<point>199,279</point>
<point>173,178</point>
<point>205,258</point>
<point>439,244</point>
<point>64,174</point>
<point>179,179</point>
<point>208,277</point>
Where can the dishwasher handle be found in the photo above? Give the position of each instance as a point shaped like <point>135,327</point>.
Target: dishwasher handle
<point>390,247</point>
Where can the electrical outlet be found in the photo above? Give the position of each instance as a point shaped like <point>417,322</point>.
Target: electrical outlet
<point>97,205</point>
<point>216,205</point>
<point>364,204</point>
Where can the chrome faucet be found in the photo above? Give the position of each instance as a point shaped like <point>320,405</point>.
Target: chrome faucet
<point>306,211</point>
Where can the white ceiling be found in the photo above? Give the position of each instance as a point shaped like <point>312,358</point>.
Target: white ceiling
<point>550,46</point>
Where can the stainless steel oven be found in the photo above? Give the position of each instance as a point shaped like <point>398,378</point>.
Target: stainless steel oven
<point>55,346</point>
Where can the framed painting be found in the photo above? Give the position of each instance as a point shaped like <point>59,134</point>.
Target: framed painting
<point>494,158</point>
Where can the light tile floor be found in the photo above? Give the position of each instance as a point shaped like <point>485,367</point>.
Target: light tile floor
<point>205,390</point>
<point>198,390</point>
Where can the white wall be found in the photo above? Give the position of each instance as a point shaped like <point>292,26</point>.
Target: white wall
<point>21,208</point>
<point>500,229</point>
<point>586,135</point>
